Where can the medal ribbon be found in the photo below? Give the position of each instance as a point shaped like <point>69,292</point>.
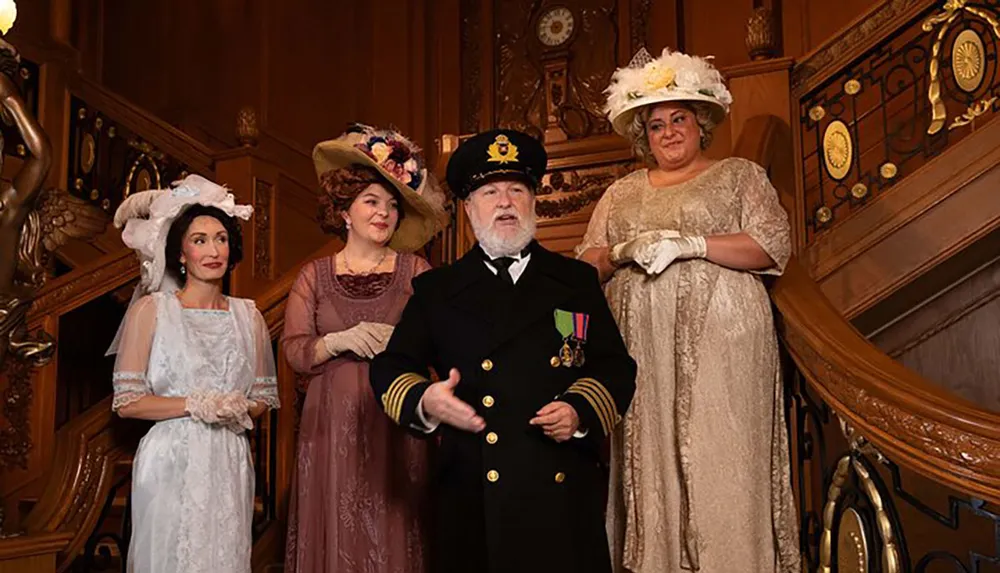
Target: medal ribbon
<point>564,323</point>
<point>580,323</point>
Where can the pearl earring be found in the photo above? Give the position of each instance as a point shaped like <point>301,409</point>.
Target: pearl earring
<point>183,270</point>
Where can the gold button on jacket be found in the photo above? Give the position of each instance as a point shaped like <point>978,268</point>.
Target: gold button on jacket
<point>502,341</point>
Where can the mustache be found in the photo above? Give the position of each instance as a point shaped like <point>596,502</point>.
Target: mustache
<point>505,213</point>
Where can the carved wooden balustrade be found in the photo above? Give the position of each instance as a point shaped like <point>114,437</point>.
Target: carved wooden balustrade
<point>894,135</point>
<point>892,472</point>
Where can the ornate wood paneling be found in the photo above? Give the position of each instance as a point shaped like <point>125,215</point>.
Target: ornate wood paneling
<point>895,107</point>
<point>471,16</point>
<point>108,161</point>
<point>875,252</point>
<point>848,41</point>
<point>263,199</point>
<point>15,436</point>
<point>639,24</point>
<point>520,67</point>
<point>565,192</point>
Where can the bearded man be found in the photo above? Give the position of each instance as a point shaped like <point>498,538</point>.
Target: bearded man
<point>534,372</point>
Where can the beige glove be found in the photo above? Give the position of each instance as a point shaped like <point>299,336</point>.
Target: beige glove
<point>669,250</point>
<point>639,250</point>
<point>365,340</point>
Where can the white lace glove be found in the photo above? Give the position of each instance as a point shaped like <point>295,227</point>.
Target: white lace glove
<point>365,340</point>
<point>639,250</point>
<point>670,250</point>
<point>234,412</point>
<point>227,409</point>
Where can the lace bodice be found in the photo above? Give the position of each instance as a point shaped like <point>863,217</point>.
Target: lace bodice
<point>168,350</point>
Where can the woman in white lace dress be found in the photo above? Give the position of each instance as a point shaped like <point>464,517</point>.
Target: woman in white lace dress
<point>200,365</point>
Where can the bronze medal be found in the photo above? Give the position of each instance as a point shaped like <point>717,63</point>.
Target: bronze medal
<point>578,357</point>
<point>566,355</point>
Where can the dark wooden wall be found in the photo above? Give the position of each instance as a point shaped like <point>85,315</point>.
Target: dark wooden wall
<point>310,66</point>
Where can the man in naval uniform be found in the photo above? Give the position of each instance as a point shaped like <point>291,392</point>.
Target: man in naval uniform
<point>534,377</point>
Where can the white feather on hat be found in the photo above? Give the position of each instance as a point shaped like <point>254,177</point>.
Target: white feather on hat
<point>147,217</point>
<point>674,76</point>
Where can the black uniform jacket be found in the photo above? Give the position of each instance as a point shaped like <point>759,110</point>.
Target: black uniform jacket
<point>509,499</point>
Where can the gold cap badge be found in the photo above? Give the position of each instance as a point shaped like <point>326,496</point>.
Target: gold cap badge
<point>502,150</point>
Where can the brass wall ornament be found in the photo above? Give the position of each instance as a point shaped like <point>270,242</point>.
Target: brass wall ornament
<point>852,534</point>
<point>838,150</point>
<point>88,153</point>
<point>888,170</point>
<point>942,21</point>
<point>824,215</point>
<point>859,191</point>
<point>817,113</point>
<point>852,87</point>
<point>972,112</point>
<point>852,543</point>
<point>968,57</point>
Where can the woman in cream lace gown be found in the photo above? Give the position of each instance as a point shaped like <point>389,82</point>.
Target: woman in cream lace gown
<point>700,474</point>
<point>200,365</point>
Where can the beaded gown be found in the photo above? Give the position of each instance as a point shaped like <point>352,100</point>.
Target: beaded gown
<point>700,466</point>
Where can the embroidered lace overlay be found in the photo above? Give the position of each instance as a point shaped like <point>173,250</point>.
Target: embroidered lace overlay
<point>364,286</point>
<point>700,467</point>
<point>192,483</point>
<point>360,479</point>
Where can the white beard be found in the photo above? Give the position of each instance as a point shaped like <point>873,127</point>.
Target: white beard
<point>505,246</point>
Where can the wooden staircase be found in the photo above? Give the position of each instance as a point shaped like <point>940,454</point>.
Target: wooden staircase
<point>893,471</point>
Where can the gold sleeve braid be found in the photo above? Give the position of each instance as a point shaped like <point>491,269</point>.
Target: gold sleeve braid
<point>392,400</point>
<point>600,400</point>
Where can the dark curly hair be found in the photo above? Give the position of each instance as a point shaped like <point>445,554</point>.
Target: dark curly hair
<point>175,238</point>
<point>340,188</point>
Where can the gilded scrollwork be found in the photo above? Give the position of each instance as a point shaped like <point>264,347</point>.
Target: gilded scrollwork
<point>941,22</point>
<point>566,192</point>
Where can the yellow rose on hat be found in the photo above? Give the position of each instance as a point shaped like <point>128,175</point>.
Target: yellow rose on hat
<point>381,152</point>
<point>659,76</point>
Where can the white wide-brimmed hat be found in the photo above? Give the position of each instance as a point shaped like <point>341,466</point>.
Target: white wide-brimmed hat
<point>146,217</point>
<point>674,76</point>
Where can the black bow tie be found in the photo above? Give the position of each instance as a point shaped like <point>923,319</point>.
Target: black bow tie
<point>503,264</point>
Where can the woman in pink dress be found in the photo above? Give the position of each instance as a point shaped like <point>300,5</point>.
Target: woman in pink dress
<point>358,501</point>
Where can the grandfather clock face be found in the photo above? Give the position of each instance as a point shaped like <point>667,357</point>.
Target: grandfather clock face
<point>555,27</point>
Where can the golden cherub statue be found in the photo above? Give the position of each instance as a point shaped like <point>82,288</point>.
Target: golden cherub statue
<point>33,222</point>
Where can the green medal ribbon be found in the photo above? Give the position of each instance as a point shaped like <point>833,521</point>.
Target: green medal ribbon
<point>564,323</point>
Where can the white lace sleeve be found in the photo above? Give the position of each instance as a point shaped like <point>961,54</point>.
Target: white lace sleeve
<point>129,378</point>
<point>265,386</point>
